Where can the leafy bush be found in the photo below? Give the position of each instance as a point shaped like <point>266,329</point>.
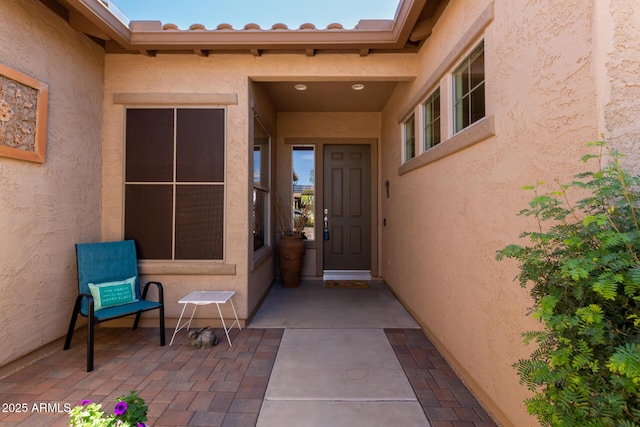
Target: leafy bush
<point>584,265</point>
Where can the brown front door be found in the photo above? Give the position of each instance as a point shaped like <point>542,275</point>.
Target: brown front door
<point>347,207</point>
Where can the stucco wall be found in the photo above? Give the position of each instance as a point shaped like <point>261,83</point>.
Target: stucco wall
<point>135,75</point>
<point>447,218</point>
<point>262,269</point>
<point>218,76</point>
<point>619,61</point>
<point>558,75</point>
<point>46,208</point>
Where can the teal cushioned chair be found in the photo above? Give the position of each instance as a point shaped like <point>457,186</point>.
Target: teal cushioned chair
<point>108,262</point>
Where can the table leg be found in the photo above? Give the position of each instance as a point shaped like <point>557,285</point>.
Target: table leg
<point>186,324</point>
<point>178,327</point>
<point>235,314</point>
<point>224,326</point>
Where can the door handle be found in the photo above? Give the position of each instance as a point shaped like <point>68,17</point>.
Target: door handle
<point>325,234</point>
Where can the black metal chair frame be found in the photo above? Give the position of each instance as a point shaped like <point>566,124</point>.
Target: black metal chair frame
<point>92,321</point>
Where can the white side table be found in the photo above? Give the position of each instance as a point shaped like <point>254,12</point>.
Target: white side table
<point>203,298</point>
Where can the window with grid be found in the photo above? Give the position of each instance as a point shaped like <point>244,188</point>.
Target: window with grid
<point>174,182</point>
<point>261,159</point>
<point>469,90</point>
<point>410,138</point>
<point>431,120</point>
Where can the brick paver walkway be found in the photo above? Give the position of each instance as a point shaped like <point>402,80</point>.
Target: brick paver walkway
<point>444,398</point>
<point>222,386</point>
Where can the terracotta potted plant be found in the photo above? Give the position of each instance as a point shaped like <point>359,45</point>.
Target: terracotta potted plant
<point>291,246</point>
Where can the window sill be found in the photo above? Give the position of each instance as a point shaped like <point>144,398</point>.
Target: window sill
<point>260,256</point>
<point>474,134</point>
<point>189,268</point>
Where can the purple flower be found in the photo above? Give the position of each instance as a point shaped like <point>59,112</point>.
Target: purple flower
<point>84,402</point>
<point>121,408</point>
<point>142,425</point>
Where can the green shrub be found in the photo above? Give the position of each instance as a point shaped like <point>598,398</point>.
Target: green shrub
<point>583,263</point>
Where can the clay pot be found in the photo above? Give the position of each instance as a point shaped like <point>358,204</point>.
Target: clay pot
<point>290,256</point>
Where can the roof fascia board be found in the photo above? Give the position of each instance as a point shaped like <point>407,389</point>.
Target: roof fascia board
<point>262,39</point>
<point>150,35</point>
<point>406,17</point>
<point>373,34</point>
<point>96,12</point>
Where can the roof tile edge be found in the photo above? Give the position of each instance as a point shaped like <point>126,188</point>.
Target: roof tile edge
<point>363,25</point>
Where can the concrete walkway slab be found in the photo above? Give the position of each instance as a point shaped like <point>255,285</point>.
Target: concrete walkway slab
<point>338,365</point>
<point>339,377</point>
<point>313,306</point>
<point>332,414</point>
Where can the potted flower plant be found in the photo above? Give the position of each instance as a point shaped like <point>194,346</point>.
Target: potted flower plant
<point>130,411</point>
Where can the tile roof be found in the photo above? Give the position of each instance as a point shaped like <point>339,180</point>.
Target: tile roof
<point>103,21</point>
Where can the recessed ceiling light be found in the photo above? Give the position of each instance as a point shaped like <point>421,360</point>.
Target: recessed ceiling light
<point>357,86</point>
<point>300,87</point>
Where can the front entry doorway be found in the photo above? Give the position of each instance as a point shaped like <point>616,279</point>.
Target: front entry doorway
<point>346,212</point>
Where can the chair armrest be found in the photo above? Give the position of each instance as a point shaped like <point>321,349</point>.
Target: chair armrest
<point>160,291</point>
<point>90,303</point>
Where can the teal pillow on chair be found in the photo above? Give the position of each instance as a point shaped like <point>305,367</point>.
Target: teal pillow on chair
<point>110,294</point>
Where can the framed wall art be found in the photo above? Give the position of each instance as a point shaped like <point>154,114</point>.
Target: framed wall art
<point>23,116</point>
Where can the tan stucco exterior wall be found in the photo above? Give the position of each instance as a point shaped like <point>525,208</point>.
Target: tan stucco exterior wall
<point>558,75</point>
<point>262,269</point>
<point>46,208</point>
<point>448,212</point>
<point>135,75</point>
<point>172,78</point>
<point>618,62</point>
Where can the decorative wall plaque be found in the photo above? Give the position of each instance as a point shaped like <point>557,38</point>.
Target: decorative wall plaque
<point>23,116</point>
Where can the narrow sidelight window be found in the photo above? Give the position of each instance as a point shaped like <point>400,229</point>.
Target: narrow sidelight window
<point>303,180</point>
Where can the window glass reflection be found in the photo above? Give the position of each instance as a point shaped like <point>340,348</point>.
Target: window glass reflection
<point>304,189</point>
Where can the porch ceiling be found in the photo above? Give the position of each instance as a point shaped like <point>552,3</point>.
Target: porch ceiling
<point>328,96</point>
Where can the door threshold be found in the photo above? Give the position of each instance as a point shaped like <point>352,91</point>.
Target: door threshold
<point>346,275</point>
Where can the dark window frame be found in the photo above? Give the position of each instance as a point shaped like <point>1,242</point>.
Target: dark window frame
<point>261,230</point>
